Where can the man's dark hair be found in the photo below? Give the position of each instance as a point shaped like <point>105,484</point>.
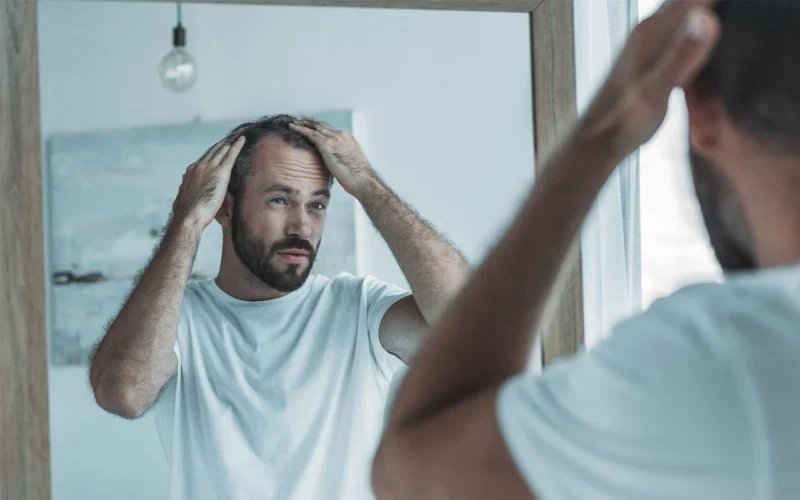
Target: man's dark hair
<point>254,132</point>
<point>756,69</point>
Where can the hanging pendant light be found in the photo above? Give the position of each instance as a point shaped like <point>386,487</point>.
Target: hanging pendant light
<point>178,71</point>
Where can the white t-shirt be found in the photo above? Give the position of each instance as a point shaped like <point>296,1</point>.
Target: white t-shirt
<point>282,399</point>
<point>698,398</point>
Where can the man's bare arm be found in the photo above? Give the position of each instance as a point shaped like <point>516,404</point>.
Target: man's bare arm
<point>443,439</point>
<point>435,270</point>
<point>135,358</point>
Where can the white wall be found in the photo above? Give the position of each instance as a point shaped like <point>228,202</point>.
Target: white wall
<point>446,107</point>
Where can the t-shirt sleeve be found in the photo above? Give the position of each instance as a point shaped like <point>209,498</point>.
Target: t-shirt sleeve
<point>164,407</point>
<point>380,297</point>
<point>651,413</point>
<point>176,348</point>
<point>189,305</point>
<point>183,327</point>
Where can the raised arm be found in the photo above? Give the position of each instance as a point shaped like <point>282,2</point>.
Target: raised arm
<point>135,358</point>
<point>435,270</point>
<point>443,439</point>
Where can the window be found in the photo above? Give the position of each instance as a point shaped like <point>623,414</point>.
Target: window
<point>675,249</point>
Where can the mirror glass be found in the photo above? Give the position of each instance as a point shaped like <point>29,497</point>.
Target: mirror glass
<point>440,103</point>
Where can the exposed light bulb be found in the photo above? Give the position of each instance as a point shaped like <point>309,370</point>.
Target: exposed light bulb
<point>177,70</point>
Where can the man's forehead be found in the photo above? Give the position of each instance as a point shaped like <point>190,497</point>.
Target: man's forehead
<point>274,157</point>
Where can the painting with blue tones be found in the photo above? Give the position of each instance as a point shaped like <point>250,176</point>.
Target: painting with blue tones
<point>110,195</point>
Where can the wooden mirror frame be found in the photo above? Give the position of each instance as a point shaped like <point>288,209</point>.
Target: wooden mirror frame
<point>24,430</point>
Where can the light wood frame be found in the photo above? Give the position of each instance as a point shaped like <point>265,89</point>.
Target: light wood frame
<point>24,432</point>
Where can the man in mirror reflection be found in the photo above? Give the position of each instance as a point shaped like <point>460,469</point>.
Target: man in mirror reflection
<point>270,382</point>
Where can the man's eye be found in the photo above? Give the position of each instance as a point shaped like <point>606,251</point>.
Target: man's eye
<point>279,201</point>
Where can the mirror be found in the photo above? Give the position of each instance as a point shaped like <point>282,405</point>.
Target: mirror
<point>440,102</point>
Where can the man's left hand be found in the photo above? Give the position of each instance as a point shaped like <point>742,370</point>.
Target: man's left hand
<point>341,153</point>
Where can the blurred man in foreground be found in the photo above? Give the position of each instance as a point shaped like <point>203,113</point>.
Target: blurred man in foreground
<point>695,398</point>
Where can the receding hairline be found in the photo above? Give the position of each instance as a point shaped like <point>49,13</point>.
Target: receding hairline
<point>256,132</point>
<point>265,155</point>
<point>263,148</point>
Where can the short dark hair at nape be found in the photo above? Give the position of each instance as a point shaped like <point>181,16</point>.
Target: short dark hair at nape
<point>755,69</point>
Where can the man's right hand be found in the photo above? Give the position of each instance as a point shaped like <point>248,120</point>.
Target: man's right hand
<point>664,52</point>
<point>205,184</point>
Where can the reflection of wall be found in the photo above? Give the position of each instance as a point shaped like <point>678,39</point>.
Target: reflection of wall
<point>109,198</point>
<point>445,99</point>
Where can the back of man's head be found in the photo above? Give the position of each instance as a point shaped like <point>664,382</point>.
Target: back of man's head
<point>755,69</point>
<point>753,76</point>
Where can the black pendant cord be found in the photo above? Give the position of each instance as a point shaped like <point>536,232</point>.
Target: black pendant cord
<point>179,32</point>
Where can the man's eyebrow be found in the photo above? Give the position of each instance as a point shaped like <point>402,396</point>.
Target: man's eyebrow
<point>282,188</point>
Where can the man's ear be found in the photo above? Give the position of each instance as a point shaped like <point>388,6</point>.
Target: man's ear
<point>225,213</point>
<point>706,117</point>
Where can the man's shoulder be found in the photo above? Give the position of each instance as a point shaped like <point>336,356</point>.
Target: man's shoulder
<point>196,286</point>
<point>195,289</point>
<point>349,281</point>
<point>664,384</point>
<point>690,303</point>
<point>366,290</point>
<point>344,278</point>
<point>712,324</point>
<point>340,282</point>
<point>728,306</point>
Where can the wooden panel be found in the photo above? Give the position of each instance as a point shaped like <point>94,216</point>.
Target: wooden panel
<point>555,109</point>
<point>24,436</point>
<point>487,5</point>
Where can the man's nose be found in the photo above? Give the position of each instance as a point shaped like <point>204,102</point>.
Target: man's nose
<point>299,224</point>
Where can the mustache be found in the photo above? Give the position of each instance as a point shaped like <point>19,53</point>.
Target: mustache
<point>293,244</point>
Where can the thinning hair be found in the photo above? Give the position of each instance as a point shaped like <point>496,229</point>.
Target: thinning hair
<point>254,132</point>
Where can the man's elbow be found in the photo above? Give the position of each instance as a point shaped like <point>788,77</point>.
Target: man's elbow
<point>119,398</point>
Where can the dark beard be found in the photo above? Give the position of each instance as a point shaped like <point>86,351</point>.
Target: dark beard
<point>731,249</point>
<point>258,259</point>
